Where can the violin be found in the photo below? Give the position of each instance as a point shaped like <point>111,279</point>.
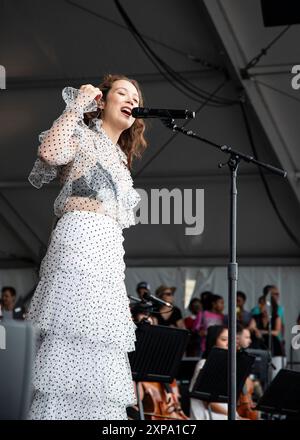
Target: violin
<point>245,405</point>
<point>161,401</point>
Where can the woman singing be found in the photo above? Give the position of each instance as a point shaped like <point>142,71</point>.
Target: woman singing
<point>80,305</point>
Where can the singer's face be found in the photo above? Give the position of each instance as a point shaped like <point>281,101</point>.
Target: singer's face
<point>120,100</point>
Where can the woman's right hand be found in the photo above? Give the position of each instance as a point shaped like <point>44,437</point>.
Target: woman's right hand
<point>89,91</point>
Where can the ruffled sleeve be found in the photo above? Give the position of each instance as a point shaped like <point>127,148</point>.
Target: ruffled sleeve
<point>127,202</point>
<point>78,101</point>
<point>58,145</point>
<point>42,173</point>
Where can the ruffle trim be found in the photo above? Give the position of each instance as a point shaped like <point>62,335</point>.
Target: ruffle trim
<point>118,195</point>
<point>93,319</point>
<point>71,95</point>
<point>74,367</point>
<point>42,173</point>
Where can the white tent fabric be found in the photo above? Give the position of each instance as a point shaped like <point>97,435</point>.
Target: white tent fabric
<point>251,281</point>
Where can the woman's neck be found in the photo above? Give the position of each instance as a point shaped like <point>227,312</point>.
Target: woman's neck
<point>112,132</point>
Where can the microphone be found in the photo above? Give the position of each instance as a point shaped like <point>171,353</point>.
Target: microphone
<point>137,300</point>
<point>154,299</point>
<point>140,112</point>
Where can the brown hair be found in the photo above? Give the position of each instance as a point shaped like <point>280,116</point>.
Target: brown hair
<point>132,140</point>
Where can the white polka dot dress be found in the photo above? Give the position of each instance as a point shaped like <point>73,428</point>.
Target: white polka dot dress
<point>81,309</point>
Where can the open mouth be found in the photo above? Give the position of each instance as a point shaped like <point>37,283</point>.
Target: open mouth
<point>126,111</point>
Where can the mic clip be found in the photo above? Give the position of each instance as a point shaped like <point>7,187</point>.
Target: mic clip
<point>169,123</point>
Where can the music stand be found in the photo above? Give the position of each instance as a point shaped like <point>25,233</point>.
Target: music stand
<point>157,357</point>
<point>187,368</point>
<point>282,395</point>
<point>211,384</point>
<point>260,368</point>
<point>16,364</point>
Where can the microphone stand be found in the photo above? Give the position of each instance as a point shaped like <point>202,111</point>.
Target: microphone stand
<point>269,314</point>
<point>235,157</point>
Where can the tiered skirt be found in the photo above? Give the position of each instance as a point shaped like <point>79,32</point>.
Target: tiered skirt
<point>81,310</point>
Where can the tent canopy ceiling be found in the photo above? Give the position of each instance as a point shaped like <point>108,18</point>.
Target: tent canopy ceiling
<point>46,46</point>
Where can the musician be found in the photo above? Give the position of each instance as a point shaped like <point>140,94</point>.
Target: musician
<point>217,336</point>
<point>160,401</point>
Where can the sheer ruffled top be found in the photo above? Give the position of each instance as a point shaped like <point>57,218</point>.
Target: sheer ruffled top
<point>71,150</point>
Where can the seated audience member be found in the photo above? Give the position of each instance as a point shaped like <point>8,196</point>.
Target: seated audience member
<point>243,337</point>
<point>261,339</point>
<point>155,396</point>
<point>217,336</point>
<point>205,298</point>
<point>194,307</point>
<point>243,316</point>
<point>142,288</point>
<point>167,316</point>
<point>193,348</point>
<point>274,294</point>
<point>9,308</point>
<point>142,313</point>
<point>245,404</point>
<point>212,315</point>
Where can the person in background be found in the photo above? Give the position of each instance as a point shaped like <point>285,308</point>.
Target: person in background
<point>193,349</point>
<point>154,394</point>
<point>9,309</point>
<point>243,337</point>
<point>142,288</point>
<point>274,293</point>
<point>262,332</point>
<point>245,404</point>
<point>142,313</point>
<point>194,307</point>
<point>217,336</point>
<point>166,316</point>
<point>212,315</point>
<point>205,298</point>
<point>243,316</point>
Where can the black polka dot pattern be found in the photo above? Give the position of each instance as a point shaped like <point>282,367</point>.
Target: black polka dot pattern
<point>80,306</point>
<point>75,151</point>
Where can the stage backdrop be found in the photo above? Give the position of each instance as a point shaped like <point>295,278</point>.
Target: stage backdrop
<point>191,281</point>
